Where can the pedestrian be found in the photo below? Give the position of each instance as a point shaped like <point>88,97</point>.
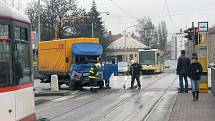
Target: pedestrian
<point>182,70</point>
<point>194,74</point>
<point>93,76</point>
<point>135,71</point>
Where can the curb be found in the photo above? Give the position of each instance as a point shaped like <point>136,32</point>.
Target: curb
<point>209,88</point>
<point>40,101</point>
<point>49,93</point>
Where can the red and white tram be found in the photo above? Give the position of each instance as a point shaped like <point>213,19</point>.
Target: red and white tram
<point>16,88</point>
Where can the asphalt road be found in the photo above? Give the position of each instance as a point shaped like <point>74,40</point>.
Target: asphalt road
<point>152,103</point>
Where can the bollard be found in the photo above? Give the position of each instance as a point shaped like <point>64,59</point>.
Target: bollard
<point>54,83</point>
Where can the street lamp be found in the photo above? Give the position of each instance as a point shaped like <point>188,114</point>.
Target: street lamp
<point>125,38</point>
<point>39,9</point>
<point>107,13</point>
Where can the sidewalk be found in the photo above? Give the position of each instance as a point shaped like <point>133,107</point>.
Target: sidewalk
<point>187,110</point>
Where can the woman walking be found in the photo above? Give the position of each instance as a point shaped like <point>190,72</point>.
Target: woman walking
<point>194,74</point>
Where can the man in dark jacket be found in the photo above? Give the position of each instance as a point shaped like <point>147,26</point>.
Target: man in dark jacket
<point>182,71</point>
<point>194,73</point>
<point>135,70</point>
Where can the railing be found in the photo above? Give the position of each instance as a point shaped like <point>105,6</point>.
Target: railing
<point>213,80</point>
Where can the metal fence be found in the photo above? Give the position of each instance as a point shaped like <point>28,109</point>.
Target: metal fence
<point>213,81</point>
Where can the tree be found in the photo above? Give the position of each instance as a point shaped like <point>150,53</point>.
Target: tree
<point>53,14</point>
<point>146,30</point>
<point>162,35</point>
<point>96,20</point>
<point>32,12</point>
<point>98,26</point>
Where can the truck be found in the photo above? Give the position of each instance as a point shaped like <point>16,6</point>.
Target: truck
<point>71,60</point>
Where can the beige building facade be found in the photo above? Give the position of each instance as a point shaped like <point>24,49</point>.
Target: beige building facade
<point>211,47</point>
<point>125,48</point>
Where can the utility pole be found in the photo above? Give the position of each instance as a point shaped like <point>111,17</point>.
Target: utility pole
<point>38,20</point>
<point>193,38</point>
<point>92,24</point>
<point>125,39</point>
<point>18,5</point>
<point>92,30</point>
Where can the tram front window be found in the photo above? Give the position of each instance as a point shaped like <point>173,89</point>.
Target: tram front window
<point>22,62</point>
<point>5,64</point>
<point>147,57</point>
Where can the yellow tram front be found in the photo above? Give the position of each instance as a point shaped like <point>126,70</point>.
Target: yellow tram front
<point>151,60</point>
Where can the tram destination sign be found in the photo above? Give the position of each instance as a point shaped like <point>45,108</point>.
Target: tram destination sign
<point>203,26</point>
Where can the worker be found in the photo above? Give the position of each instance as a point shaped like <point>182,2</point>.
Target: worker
<point>135,71</point>
<point>93,76</point>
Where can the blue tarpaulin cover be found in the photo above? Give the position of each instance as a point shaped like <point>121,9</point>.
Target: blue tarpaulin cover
<point>89,49</point>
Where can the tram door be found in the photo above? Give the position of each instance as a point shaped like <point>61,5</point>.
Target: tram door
<point>22,67</point>
<point>7,95</point>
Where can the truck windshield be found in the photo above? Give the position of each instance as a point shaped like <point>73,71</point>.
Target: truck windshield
<point>147,57</point>
<point>86,60</point>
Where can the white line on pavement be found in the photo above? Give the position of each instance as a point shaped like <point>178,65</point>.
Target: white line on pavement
<point>65,97</point>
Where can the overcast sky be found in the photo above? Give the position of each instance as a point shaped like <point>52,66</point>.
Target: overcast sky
<point>182,12</point>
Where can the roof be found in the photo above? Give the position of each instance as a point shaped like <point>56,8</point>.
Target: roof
<point>115,37</point>
<point>131,43</point>
<point>8,12</point>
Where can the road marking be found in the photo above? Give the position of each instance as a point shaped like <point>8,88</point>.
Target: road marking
<point>150,93</point>
<point>62,98</point>
<point>65,97</point>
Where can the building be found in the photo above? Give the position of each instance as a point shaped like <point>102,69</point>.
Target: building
<point>180,42</point>
<point>211,44</point>
<point>189,48</point>
<point>173,48</point>
<point>125,48</point>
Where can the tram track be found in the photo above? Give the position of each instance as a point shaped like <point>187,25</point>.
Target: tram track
<point>79,106</point>
<point>112,108</point>
<point>124,100</point>
<point>155,104</point>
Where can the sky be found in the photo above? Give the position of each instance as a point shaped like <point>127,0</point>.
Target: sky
<point>176,13</point>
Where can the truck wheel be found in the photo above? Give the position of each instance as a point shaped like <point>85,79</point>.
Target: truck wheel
<point>75,85</point>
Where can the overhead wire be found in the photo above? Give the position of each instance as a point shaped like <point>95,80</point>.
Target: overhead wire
<point>169,14</point>
<point>123,10</point>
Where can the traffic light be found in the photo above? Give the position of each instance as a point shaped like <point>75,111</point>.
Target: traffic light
<point>189,32</point>
<point>196,35</point>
